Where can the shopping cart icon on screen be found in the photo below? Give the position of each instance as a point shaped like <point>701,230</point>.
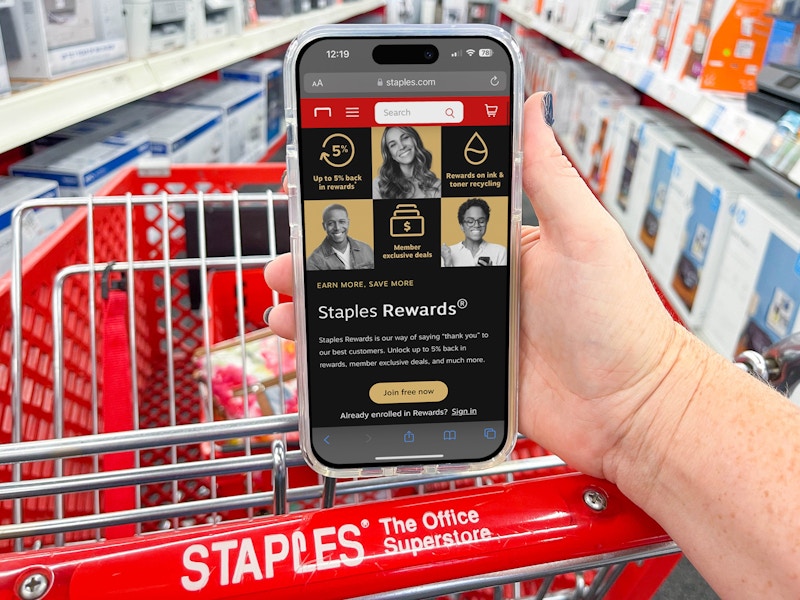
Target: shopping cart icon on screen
<point>491,110</point>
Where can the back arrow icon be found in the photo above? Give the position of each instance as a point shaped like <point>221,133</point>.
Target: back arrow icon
<point>327,440</point>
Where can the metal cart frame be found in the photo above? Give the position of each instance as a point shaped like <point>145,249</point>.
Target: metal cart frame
<point>118,480</point>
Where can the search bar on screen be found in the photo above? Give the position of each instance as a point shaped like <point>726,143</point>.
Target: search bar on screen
<point>399,113</point>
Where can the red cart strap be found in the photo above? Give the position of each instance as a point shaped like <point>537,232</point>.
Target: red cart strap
<point>354,550</point>
<point>117,403</point>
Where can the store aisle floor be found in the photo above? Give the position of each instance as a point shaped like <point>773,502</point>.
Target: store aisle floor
<point>685,583</point>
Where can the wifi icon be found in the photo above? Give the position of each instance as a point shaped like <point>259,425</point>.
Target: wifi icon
<point>470,52</point>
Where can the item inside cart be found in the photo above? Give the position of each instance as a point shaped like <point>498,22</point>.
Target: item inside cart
<point>261,363</point>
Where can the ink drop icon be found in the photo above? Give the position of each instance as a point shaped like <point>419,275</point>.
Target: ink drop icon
<point>476,152</point>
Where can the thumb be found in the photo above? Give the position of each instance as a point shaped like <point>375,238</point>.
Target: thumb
<point>555,188</point>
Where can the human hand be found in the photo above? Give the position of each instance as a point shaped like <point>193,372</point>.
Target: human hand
<point>447,256</point>
<point>595,340</point>
<point>609,382</point>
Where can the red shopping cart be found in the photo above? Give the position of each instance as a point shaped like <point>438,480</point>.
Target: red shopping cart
<point>121,476</point>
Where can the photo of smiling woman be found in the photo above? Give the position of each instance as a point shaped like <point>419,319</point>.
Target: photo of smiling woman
<point>407,167</point>
<point>474,250</point>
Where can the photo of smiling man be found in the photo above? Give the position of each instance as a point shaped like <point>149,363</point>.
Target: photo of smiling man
<point>339,251</point>
<point>474,250</point>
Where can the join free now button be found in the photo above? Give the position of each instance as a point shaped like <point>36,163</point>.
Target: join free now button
<point>397,392</point>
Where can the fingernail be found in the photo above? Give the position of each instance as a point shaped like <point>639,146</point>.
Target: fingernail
<point>547,109</point>
<point>266,314</point>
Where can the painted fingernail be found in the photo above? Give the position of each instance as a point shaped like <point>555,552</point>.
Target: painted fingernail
<point>266,314</point>
<point>547,109</point>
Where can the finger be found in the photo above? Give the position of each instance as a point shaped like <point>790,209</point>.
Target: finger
<point>281,320</point>
<point>555,188</point>
<point>278,274</point>
<point>530,236</point>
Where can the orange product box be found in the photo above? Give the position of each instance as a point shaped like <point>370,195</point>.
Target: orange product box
<point>720,44</point>
<point>737,48</point>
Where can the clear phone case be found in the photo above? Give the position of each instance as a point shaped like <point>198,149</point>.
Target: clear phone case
<point>430,33</point>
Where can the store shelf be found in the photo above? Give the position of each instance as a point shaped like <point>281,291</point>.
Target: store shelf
<point>31,113</point>
<point>725,117</point>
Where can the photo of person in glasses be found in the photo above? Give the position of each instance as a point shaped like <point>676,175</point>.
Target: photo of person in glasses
<point>474,250</point>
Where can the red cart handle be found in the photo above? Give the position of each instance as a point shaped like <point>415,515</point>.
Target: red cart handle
<point>351,550</point>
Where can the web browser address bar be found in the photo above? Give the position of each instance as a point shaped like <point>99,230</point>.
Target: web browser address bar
<point>431,112</point>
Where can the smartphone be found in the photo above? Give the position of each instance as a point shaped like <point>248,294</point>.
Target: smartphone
<point>403,155</point>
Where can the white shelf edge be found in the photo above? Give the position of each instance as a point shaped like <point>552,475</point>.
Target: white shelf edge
<point>185,64</point>
<point>725,118</point>
<point>39,110</point>
<point>34,112</point>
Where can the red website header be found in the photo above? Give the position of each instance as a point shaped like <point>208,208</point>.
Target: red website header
<point>361,112</point>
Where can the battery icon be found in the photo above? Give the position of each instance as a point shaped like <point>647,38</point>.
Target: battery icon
<point>485,52</point>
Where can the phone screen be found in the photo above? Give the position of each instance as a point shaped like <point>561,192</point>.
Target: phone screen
<point>408,205</point>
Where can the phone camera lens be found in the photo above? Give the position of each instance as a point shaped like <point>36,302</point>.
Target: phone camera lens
<point>403,54</point>
<point>430,54</point>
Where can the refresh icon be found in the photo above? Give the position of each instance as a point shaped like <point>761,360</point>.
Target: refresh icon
<point>494,81</point>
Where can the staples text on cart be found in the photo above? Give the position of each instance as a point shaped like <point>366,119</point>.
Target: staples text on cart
<point>239,560</point>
